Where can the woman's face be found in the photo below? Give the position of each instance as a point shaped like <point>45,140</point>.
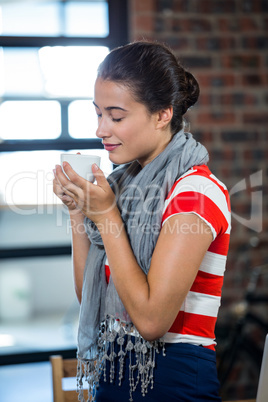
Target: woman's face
<point>127,130</point>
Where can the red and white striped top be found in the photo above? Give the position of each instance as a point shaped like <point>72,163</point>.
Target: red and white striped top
<point>198,191</point>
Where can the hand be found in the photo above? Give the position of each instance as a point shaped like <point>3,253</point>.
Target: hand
<point>96,201</point>
<point>58,190</point>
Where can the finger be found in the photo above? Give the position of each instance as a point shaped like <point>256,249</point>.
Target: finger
<point>66,185</point>
<point>99,175</point>
<point>60,176</point>
<point>60,192</point>
<point>63,180</point>
<point>73,176</point>
<point>57,187</point>
<point>56,180</point>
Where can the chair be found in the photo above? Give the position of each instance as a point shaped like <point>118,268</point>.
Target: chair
<point>63,368</point>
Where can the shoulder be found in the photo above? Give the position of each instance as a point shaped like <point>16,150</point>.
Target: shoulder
<point>198,178</point>
<point>199,191</point>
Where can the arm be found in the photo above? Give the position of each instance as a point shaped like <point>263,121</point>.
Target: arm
<point>152,300</point>
<point>80,248</point>
<point>80,241</point>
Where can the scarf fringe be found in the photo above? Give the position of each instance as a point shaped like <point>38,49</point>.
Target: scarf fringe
<point>141,354</point>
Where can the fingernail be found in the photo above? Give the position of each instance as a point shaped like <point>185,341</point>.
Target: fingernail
<point>96,167</point>
<point>54,172</point>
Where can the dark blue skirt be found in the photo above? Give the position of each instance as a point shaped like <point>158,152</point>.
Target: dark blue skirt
<point>187,373</point>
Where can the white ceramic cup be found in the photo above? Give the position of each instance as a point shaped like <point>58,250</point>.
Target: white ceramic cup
<point>81,164</point>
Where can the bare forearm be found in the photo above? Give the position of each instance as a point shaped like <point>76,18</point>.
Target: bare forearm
<point>80,248</point>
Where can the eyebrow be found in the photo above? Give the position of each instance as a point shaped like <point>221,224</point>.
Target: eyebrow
<point>111,107</point>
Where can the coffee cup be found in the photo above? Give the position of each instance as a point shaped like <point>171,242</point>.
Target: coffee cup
<point>81,164</point>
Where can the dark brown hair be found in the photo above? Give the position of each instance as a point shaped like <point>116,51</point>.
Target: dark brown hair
<point>154,76</point>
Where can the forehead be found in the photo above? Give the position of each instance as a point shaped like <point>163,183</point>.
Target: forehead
<point>106,92</point>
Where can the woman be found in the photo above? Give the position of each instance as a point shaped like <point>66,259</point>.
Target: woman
<point>149,263</point>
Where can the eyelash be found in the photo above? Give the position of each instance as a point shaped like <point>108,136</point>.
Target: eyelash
<point>114,120</point>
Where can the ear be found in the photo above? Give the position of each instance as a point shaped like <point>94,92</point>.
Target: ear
<point>164,117</point>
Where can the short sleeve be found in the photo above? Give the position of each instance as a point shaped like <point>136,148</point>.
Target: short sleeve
<point>200,192</point>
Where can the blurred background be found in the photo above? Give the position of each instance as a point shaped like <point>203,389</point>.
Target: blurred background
<point>49,53</point>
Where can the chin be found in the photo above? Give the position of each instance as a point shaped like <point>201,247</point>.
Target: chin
<point>118,160</point>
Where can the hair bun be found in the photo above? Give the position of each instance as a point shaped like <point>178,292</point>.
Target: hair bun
<point>191,93</point>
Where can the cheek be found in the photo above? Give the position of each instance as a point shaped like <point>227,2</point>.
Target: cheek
<point>126,132</point>
<point>134,132</point>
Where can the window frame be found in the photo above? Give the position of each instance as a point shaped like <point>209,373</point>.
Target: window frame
<point>118,35</point>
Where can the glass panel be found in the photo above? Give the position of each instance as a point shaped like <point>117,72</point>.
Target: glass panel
<point>50,71</point>
<point>30,18</point>
<point>26,177</point>
<point>36,314</point>
<point>20,72</point>
<point>83,120</point>
<point>22,120</point>
<point>73,18</point>
<point>71,71</point>
<point>2,80</point>
<point>87,19</point>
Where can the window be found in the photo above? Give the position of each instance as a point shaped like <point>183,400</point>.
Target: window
<point>49,53</point>
<point>47,74</point>
<point>71,18</point>
<point>34,119</point>
<point>82,119</point>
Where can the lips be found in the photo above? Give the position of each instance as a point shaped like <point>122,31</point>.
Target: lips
<point>111,147</point>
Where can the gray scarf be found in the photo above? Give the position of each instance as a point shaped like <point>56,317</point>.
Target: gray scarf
<point>140,195</point>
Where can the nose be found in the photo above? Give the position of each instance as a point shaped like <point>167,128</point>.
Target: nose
<point>103,128</point>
